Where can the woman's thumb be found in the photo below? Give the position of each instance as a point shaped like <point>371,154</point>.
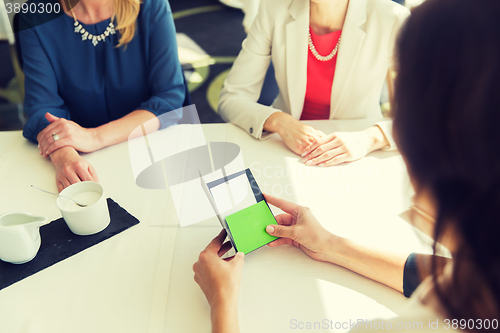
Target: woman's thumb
<point>50,117</point>
<point>280,231</point>
<point>239,258</point>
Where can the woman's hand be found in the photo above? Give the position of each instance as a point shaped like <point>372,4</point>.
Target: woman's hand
<point>71,168</point>
<point>343,147</point>
<point>298,227</point>
<point>296,135</point>
<point>69,133</point>
<point>219,279</point>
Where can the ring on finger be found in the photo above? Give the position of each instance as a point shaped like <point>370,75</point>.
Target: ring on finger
<point>55,136</point>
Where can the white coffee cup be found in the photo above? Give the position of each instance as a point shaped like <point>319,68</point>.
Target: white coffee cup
<point>84,220</point>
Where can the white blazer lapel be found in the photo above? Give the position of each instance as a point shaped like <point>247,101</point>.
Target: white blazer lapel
<point>296,55</point>
<point>352,40</point>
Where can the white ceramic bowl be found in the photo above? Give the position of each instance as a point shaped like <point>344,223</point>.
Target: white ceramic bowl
<point>84,220</point>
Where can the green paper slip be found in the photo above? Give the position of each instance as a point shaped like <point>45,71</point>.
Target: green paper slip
<point>248,227</point>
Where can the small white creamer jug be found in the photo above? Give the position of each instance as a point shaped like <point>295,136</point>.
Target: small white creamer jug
<point>20,236</point>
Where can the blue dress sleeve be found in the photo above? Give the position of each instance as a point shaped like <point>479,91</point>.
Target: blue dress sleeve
<point>40,85</point>
<point>165,73</point>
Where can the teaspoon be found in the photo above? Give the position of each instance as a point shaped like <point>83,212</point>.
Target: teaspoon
<point>59,195</point>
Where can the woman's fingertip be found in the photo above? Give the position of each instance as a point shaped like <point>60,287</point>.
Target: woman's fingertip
<point>270,229</point>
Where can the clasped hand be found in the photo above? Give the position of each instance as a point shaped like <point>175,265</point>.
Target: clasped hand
<point>296,135</point>
<point>70,166</point>
<point>68,133</point>
<point>319,149</point>
<point>336,148</point>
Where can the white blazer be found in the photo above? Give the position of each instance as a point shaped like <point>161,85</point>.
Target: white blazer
<point>279,34</point>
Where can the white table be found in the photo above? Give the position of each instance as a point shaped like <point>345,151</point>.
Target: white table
<point>141,280</point>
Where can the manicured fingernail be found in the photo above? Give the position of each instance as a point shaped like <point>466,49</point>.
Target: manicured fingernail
<point>304,160</point>
<point>304,153</point>
<point>309,163</point>
<point>270,229</point>
<point>321,164</point>
<point>240,254</point>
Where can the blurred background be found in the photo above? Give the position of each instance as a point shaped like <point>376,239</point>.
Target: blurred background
<point>209,36</point>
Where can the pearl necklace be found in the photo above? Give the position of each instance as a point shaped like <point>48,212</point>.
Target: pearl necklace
<point>319,56</point>
<point>79,29</point>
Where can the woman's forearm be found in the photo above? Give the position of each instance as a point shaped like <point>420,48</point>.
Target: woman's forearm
<point>119,130</point>
<point>274,122</point>
<point>224,319</point>
<point>382,266</point>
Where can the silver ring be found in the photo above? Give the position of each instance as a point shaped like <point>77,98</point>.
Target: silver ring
<point>55,136</point>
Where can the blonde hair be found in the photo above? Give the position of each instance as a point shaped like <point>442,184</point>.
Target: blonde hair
<point>126,12</point>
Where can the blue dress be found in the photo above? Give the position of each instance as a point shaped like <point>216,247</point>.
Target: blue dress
<point>93,85</point>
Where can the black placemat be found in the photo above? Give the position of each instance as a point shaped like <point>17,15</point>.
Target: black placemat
<point>59,243</point>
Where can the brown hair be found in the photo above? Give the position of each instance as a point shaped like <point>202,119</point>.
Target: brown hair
<point>447,119</point>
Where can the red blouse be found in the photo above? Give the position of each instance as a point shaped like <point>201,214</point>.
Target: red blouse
<point>320,77</point>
